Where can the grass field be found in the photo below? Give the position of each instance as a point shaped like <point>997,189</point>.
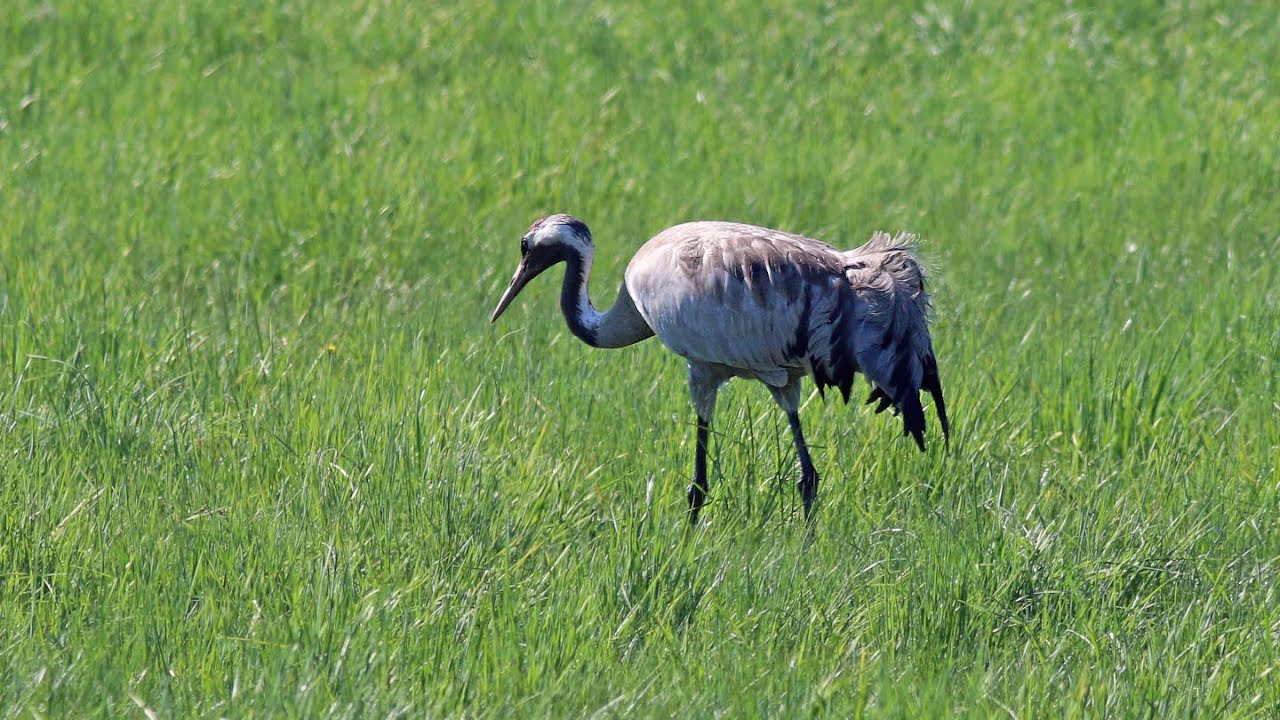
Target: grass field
<point>261,453</point>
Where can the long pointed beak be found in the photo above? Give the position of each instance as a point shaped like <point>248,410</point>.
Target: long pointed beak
<point>518,281</point>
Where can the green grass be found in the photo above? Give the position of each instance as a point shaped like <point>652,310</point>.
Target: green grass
<point>262,454</point>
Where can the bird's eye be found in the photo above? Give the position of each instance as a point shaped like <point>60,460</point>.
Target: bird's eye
<point>524,245</point>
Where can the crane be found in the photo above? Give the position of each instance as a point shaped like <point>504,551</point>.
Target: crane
<point>738,300</point>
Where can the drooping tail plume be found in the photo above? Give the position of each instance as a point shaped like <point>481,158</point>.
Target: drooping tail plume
<point>887,332</point>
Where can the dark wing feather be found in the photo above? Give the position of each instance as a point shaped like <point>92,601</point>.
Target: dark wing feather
<point>882,326</point>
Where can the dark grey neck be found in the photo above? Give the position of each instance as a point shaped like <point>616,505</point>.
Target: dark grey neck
<point>619,326</point>
<point>575,303</point>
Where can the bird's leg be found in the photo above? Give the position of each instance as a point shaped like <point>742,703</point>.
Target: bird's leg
<point>788,398</point>
<point>704,383</point>
<point>698,488</point>
<point>808,473</point>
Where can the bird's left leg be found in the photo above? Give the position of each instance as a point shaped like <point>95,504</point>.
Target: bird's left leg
<point>788,396</point>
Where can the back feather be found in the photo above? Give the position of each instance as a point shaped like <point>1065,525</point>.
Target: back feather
<point>879,326</point>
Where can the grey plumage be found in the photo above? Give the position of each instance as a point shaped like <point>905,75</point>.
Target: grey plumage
<point>739,300</point>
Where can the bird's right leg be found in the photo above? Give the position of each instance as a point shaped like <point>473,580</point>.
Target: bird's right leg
<point>704,383</point>
<point>808,473</point>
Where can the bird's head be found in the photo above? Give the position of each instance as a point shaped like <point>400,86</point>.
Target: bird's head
<point>551,240</point>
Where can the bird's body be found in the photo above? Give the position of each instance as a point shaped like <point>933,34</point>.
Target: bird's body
<point>739,300</point>
<point>729,295</point>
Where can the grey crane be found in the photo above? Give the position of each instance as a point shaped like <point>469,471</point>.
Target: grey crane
<point>738,300</point>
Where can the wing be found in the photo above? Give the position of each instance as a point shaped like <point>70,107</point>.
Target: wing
<point>733,294</point>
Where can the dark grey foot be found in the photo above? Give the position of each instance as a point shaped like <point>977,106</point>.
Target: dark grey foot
<point>809,493</point>
<point>697,495</point>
